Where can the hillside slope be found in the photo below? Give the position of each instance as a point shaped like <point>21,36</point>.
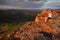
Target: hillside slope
<point>45,27</point>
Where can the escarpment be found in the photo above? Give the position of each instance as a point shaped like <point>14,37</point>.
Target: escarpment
<point>46,26</point>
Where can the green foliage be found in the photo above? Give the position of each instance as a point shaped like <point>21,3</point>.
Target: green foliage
<point>10,27</point>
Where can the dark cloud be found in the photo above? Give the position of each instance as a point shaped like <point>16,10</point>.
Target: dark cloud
<point>20,4</point>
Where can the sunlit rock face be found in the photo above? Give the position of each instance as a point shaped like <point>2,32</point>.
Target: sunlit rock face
<point>45,15</point>
<point>44,29</point>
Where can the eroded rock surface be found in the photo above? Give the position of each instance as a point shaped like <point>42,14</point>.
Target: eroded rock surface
<point>44,27</point>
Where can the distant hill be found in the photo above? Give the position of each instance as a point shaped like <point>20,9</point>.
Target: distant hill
<point>17,15</point>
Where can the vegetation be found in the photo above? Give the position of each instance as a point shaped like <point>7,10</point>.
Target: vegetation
<point>9,27</point>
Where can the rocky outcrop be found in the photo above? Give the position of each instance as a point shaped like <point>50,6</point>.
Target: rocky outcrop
<point>45,27</point>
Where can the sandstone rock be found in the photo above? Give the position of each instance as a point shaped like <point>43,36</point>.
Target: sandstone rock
<point>43,28</point>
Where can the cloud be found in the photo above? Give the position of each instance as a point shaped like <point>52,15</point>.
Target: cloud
<point>18,4</point>
<point>53,4</point>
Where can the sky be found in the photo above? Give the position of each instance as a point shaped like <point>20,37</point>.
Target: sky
<point>29,4</point>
